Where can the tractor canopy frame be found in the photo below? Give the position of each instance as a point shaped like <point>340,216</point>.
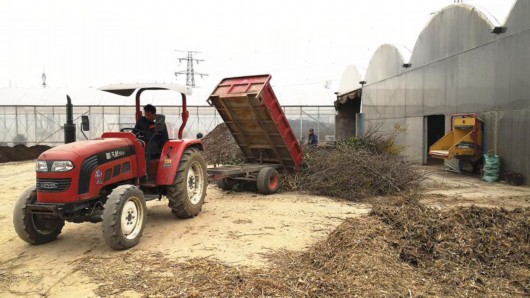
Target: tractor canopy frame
<point>129,89</point>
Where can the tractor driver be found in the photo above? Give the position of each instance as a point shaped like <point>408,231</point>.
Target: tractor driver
<point>146,128</point>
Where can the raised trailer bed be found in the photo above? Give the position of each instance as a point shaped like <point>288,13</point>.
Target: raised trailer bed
<point>255,118</point>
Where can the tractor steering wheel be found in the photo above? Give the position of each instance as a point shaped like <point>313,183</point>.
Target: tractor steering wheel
<point>138,133</point>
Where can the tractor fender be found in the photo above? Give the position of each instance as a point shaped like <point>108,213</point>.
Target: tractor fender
<point>170,159</point>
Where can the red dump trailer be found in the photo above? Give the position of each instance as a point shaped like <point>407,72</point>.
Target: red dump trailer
<point>255,118</point>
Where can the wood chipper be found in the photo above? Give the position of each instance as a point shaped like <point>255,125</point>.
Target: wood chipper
<point>463,141</point>
<point>255,118</point>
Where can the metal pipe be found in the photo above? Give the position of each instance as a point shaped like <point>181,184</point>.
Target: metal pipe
<point>69,110</point>
<point>137,103</point>
<point>185,115</point>
<point>69,126</point>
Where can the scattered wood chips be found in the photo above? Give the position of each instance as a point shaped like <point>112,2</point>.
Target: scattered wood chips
<point>401,249</point>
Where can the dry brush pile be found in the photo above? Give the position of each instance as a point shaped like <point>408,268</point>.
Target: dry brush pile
<point>404,249</point>
<point>358,168</point>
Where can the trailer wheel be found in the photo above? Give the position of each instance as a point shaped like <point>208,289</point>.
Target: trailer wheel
<point>186,194</point>
<point>226,183</point>
<point>268,181</point>
<point>124,217</point>
<point>34,228</point>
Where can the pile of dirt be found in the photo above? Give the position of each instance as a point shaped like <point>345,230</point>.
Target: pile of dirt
<point>459,252</point>
<point>220,147</point>
<point>21,152</point>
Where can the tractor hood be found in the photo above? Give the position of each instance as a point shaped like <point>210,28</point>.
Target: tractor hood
<point>72,151</point>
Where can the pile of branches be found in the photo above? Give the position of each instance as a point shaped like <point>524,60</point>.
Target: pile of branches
<point>355,169</point>
<point>220,147</point>
<point>358,168</point>
<point>464,245</point>
<point>373,140</point>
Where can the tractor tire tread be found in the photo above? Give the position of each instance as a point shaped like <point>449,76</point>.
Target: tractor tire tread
<point>110,218</point>
<point>175,192</point>
<point>263,178</point>
<point>20,220</point>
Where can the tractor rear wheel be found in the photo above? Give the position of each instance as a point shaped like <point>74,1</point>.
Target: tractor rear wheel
<point>124,217</point>
<point>186,194</point>
<point>35,228</point>
<point>268,180</point>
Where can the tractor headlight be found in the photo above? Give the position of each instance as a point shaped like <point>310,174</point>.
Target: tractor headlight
<point>41,166</point>
<point>62,166</point>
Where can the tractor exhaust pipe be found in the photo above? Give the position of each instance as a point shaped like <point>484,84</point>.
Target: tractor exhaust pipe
<point>69,126</point>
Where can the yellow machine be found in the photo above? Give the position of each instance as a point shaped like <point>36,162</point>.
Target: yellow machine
<point>463,141</point>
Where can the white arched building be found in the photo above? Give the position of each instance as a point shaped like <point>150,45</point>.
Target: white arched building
<point>463,61</point>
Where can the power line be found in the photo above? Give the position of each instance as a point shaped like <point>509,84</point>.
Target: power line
<point>190,72</point>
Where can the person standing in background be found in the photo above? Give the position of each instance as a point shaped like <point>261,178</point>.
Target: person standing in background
<point>312,139</point>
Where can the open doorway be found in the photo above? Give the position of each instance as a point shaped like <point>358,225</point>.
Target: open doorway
<point>347,117</point>
<point>435,130</point>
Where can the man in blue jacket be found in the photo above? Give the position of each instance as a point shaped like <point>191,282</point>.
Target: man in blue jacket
<point>312,140</point>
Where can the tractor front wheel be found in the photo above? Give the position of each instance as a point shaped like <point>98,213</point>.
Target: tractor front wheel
<point>124,217</point>
<point>34,228</point>
<point>186,194</point>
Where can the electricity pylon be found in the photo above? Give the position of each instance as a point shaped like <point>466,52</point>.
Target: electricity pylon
<point>190,72</point>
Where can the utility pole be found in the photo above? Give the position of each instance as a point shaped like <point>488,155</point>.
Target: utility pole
<point>190,72</point>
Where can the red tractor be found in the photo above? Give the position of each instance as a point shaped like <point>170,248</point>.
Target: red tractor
<point>110,178</point>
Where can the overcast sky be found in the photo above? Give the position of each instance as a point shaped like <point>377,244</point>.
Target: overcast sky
<point>302,44</point>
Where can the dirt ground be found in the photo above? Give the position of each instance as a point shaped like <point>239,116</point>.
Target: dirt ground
<point>234,229</point>
<point>449,189</point>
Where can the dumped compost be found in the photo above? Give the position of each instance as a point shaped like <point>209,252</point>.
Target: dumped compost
<point>220,147</point>
<point>401,249</point>
<point>21,152</point>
